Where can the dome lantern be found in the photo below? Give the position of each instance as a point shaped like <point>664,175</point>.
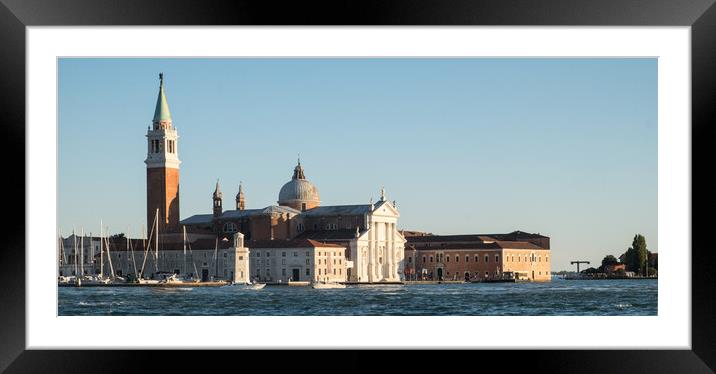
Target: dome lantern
<point>299,193</point>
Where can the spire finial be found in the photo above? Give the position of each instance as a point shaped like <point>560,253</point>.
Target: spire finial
<point>298,170</point>
<point>382,193</point>
<point>217,191</point>
<point>161,112</point>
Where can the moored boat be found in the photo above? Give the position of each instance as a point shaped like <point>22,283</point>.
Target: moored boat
<point>327,285</point>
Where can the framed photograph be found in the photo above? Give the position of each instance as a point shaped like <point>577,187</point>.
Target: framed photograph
<point>483,177</point>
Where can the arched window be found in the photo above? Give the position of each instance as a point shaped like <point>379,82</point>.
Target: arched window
<point>229,227</point>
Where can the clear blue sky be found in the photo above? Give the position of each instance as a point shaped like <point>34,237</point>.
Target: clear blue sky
<point>564,147</point>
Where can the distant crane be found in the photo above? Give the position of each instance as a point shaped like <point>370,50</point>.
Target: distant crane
<point>579,262</point>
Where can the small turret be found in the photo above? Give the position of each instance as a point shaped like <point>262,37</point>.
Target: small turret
<point>238,240</point>
<point>217,200</point>
<point>240,200</point>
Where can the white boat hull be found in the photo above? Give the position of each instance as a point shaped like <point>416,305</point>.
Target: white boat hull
<point>327,285</point>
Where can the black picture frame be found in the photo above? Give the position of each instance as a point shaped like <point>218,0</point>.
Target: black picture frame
<point>15,15</point>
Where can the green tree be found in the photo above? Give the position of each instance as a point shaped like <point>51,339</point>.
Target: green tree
<point>636,256</point>
<point>117,236</point>
<point>609,260</point>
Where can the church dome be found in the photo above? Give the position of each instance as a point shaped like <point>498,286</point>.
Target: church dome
<point>299,193</point>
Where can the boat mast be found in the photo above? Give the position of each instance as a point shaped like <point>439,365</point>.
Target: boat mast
<point>82,252</point>
<point>146,248</point>
<point>131,249</point>
<point>216,258</point>
<point>74,249</point>
<point>156,242</point>
<point>101,249</point>
<point>196,272</point>
<point>109,257</point>
<point>63,259</point>
<point>184,230</point>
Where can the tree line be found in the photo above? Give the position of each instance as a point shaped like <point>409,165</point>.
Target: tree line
<point>635,259</point>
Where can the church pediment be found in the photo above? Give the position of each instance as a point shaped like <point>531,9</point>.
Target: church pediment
<point>385,209</point>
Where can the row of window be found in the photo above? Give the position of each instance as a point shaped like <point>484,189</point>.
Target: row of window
<point>457,259</point>
<point>533,258</point>
<point>325,271</point>
<point>156,146</point>
<point>283,272</point>
<point>283,254</point>
<point>340,262</point>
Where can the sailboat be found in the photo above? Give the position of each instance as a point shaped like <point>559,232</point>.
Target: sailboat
<point>92,279</point>
<point>194,277</point>
<point>155,231</point>
<point>63,279</point>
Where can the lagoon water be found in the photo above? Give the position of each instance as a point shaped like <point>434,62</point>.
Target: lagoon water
<point>559,297</point>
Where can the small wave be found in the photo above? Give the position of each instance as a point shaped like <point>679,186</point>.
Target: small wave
<point>622,306</point>
<point>84,303</point>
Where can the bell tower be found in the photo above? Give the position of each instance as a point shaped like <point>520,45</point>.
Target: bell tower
<point>240,199</point>
<point>162,167</point>
<point>217,197</point>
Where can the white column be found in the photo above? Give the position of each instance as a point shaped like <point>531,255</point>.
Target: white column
<point>375,274</point>
<point>371,251</point>
<point>391,246</point>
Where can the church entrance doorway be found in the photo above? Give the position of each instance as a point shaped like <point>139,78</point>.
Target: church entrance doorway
<point>204,275</point>
<point>440,274</point>
<point>296,275</point>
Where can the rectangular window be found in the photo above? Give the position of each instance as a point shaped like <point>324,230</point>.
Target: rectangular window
<point>497,258</point>
<point>283,271</point>
<point>295,254</point>
<point>477,258</point>
<point>487,258</point>
<point>457,258</point>
<point>283,254</point>
<point>308,261</point>
<point>467,258</point>
<point>308,271</point>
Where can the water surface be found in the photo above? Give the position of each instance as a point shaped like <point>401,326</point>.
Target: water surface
<point>559,297</point>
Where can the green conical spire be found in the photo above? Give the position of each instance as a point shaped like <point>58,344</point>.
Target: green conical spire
<point>161,113</point>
